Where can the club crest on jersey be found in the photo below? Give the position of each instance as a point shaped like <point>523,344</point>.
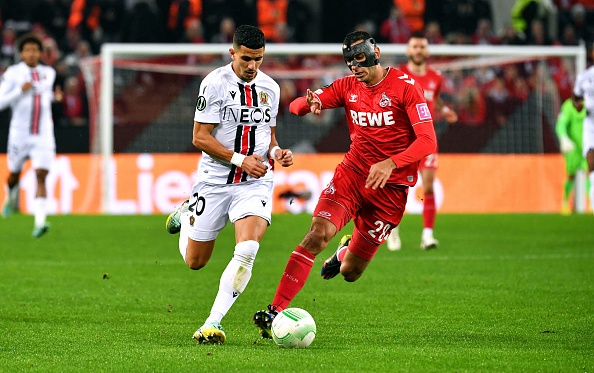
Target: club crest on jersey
<point>385,100</point>
<point>264,98</point>
<point>201,103</point>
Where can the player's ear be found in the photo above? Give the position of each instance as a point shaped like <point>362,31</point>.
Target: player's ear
<point>377,52</point>
<point>232,53</point>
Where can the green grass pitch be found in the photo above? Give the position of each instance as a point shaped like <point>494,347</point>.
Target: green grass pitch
<point>503,293</point>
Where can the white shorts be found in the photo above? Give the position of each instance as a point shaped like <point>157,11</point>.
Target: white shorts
<point>212,206</point>
<point>40,151</point>
<point>588,135</point>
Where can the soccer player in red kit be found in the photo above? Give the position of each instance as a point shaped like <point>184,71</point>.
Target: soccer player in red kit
<point>430,80</point>
<point>391,131</point>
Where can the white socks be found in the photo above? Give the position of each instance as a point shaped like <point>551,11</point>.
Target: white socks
<point>234,279</point>
<point>427,233</point>
<point>39,204</point>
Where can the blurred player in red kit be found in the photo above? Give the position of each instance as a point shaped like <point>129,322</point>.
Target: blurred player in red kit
<point>391,130</point>
<point>430,80</point>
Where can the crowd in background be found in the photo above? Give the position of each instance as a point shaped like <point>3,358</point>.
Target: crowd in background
<point>74,29</point>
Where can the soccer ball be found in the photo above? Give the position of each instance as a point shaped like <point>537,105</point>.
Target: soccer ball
<point>293,328</point>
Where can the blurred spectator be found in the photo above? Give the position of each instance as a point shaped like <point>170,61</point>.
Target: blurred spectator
<point>299,19</point>
<point>272,18</point>
<point>53,15</point>
<point>366,25</point>
<point>341,15</point>
<point>8,49</point>
<point>499,102</point>
<point>182,15</point>
<point>569,36</point>
<point>82,50</point>
<point>51,52</point>
<point>394,29</point>
<point>484,34</point>
<point>226,31</point>
<point>243,12</point>
<point>16,14</point>
<point>462,16</point>
<point>73,105</point>
<point>288,92</point>
<point>458,38</point>
<point>563,74</point>
<point>193,32</point>
<point>515,83</point>
<point>142,23</point>
<point>524,12</point>
<point>579,20</point>
<point>471,106</point>
<point>96,21</point>
<point>412,11</point>
<point>433,33</point>
<point>538,34</point>
<point>509,36</point>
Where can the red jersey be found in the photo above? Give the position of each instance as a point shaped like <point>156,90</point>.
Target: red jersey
<point>430,82</point>
<point>387,120</point>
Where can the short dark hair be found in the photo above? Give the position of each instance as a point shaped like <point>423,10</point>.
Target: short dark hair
<point>354,36</point>
<point>249,36</point>
<point>29,38</point>
<point>418,35</point>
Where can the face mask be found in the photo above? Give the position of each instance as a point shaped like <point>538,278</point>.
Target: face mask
<point>367,47</point>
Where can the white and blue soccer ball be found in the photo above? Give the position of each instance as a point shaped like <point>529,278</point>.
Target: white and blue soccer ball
<point>293,328</point>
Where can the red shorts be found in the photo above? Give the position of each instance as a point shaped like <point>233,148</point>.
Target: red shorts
<point>429,162</point>
<point>374,212</point>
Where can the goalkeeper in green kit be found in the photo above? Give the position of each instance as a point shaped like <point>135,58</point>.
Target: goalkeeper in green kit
<point>569,130</point>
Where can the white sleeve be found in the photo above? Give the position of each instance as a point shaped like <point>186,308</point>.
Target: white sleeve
<point>578,89</point>
<point>9,91</point>
<point>208,105</point>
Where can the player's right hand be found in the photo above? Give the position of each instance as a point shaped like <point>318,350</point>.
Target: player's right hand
<point>254,165</point>
<point>315,106</point>
<point>27,86</point>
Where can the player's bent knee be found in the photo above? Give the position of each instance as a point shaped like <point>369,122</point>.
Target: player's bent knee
<point>351,276</point>
<point>351,273</point>
<point>196,263</point>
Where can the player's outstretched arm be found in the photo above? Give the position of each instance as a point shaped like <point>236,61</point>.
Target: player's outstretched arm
<point>304,105</point>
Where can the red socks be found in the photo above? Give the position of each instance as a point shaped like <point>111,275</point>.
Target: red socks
<point>296,272</point>
<point>429,211</point>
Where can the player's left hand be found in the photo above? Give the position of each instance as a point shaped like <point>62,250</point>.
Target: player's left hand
<point>58,94</point>
<point>379,174</point>
<point>284,157</point>
<point>449,115</point>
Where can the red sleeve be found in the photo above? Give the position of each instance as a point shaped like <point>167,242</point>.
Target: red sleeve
<point>424,144</point>
<point>299,106</point>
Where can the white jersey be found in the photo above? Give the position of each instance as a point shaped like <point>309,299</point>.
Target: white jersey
<point>243,114</point>
<point>584,87</point>
<point>31,110</point>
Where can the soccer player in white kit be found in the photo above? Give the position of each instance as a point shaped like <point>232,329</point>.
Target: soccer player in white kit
<point>27,87</point>
<point>234,126</point>
<point>584,90</point>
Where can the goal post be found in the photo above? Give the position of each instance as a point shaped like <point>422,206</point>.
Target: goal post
<point>101,78</point>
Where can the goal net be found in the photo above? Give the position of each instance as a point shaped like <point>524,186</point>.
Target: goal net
<point>142,96</point>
